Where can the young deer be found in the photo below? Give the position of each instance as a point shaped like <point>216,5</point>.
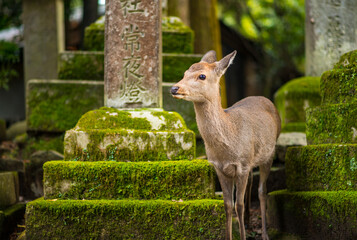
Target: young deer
<point>237,139</point>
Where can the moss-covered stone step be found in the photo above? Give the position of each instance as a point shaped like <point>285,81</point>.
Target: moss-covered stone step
<point>347,60</point>
<point>9,189</point>
<point>56,105</point>
<point>333,123</point>
<point>129,135</point>
<point>89,65</point>
<point>314,215</point>
<point>327,167</point>
<point>339,86</point>
<point>118,180</point>
<point>125,219</point>
<point>294,97</point>
<point>176,36</point>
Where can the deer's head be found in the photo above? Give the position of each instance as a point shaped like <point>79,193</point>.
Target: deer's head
<point>201,81</point>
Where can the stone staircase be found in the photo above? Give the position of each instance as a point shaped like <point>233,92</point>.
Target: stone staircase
<point>128,174</point>
<point>321,198</point>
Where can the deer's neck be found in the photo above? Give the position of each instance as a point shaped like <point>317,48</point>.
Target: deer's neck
<point>211,119</point>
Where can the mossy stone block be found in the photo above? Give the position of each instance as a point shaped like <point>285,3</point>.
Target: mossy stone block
<point>333,123</point>
<point>10,218</point>
<point>57,105</point>
<point>294,97</point>
<point>327,167</point>
<point>339,86</point>
<point>314,215</point>
<point>9,189</point>
<point>94,35</point>
<point>347,60</point>
<point>81,65</point>
<point>175,65</point>
<point>125,219</point>
<point>176,36</point>
<point>129,135</point>
<point>136,180</point>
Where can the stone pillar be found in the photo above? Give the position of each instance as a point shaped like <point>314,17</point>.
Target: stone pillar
<point>44,37</point>
<point>330,27</point>
<point>133,54</point>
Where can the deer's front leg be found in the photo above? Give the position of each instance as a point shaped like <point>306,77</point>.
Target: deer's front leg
<point>227,189</point>
<point>241,185</point>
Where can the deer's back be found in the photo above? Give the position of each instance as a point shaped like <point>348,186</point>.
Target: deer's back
<point>257,112</point>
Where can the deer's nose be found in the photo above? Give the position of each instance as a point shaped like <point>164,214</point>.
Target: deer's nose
<point>174,90</point>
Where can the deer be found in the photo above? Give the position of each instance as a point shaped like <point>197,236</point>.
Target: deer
<point>237,139</point>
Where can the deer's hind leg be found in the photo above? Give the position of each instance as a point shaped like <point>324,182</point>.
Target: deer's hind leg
<point>264,171</point>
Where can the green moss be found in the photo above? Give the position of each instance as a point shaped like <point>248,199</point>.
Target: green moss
<point>347,60</point>
<point>175,65</point>
<point>118,180</point>
<point>176,36</point>
<point>56,106</point>
<point>81,65</point>
<point>125,219</point>
<point>327,167</point>
<point>333,123</point>
<point>294,127</point>
<point>314,215</point>
<point>295,96</point>
<point>139,119</point>
<point>94,36</point>
<point>339,86</point>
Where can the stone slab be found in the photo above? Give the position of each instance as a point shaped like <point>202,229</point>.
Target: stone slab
<point>314,215</point>
<point>332,123</point>
<point>330,31</point>
<point>125,219</point>
<point>9,189</point>
<point>129,135</point>
<point>57,105</point>
<point>119,180</point>
<point>133,64</point>
<point>325,167</point>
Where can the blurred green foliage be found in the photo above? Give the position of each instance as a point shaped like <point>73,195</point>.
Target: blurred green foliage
<point>10,11</point>
<point>9,55</point>
<point>278,27</point>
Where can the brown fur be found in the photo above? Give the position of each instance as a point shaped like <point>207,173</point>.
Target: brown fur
<point>237,139</point>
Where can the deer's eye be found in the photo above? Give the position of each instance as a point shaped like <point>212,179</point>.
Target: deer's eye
<point>202,77</point>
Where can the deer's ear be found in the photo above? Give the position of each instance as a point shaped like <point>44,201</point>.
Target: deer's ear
<point>224,63</point>
<point>209,57</point>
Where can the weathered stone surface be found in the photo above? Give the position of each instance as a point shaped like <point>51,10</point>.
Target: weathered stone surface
<point>9,189</point>
<point>293,98</point>
<point>133,54</point>
<point>129,135</point>
<point>43,37</point>
<point>11,165</point>
<point>330,31</point>
<point>314,215</point>
<point>16,129</point>
<point>286,140</point>
<point>123,219</point>
<point>135,180</point>
<point>56,105</point>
